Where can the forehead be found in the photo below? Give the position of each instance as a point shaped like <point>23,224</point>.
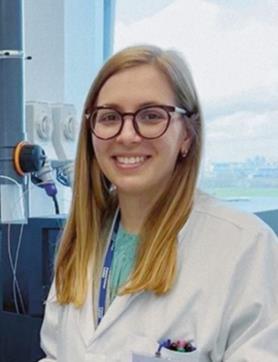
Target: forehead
<point>138,85</point>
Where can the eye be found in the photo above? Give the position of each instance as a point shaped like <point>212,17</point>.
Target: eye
<point>152,115</point>
<point>107,116</point>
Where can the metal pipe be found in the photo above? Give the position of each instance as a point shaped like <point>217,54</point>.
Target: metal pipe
<point>12,123</point>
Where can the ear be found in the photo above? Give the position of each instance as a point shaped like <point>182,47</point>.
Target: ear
<point>186,144</point>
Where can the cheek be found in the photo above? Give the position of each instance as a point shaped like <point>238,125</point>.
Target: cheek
<point>99,146</point>
<point>171,144</point>
<point>99,151</point>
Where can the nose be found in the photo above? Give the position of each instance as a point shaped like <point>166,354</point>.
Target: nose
<point>128,133</point>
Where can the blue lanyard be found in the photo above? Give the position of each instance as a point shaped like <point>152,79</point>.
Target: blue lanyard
<point>106,268</point>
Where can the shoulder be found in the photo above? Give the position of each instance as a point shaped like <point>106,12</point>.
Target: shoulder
<point>226,245</point>
<point>221,213</point>
<point>214,225</point>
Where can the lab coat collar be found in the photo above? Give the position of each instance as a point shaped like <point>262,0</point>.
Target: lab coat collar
<point>85,316</point>
<point>85,321</point>
<point>119,305</point>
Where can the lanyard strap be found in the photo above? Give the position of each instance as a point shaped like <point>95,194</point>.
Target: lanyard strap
<point>106,267</point>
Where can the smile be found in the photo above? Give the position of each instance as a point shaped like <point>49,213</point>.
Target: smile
<point>130,162</point>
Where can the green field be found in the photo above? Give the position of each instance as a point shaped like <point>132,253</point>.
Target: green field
<point>242,192</point>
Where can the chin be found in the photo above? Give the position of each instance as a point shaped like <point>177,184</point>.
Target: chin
<point>131,188</point>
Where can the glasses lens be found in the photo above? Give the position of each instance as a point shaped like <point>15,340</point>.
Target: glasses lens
<point>106,123</point>
<point>152,121</point>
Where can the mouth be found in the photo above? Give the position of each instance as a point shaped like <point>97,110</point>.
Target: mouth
<point>130,161</point>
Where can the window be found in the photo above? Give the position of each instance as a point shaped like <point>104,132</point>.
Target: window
<point>231,49</point>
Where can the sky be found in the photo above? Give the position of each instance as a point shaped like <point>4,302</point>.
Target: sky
<point>231,48</point>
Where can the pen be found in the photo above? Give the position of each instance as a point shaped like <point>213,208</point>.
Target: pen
<point>179,346</point>
<point>189,347</point>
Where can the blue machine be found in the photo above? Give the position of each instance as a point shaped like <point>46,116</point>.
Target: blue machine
<point>24,291</point>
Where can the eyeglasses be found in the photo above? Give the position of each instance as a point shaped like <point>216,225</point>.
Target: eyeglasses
<point>149,122</point>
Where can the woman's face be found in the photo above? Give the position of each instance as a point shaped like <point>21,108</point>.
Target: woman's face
<point>133,164</point>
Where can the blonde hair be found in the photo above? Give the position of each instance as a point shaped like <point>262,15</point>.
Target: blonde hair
<point>93,205</point>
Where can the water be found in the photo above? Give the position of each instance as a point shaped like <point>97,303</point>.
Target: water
<point>254,204</point>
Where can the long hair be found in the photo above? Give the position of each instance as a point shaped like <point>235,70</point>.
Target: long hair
<point>93,204</point>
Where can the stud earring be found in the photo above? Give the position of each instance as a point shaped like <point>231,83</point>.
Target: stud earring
<point>183,154</point>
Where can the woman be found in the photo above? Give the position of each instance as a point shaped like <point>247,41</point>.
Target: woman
<point>144,258</point>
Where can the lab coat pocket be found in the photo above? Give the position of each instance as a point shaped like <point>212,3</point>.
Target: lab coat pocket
<point>169,355</point>
<point>143,350</point>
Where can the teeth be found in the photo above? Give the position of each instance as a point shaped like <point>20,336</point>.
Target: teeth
<point>131,160</point>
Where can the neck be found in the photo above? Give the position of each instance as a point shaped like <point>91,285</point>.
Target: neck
<point>134,210</point>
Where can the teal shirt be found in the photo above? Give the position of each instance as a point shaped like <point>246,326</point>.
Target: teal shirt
<point>123,260</point>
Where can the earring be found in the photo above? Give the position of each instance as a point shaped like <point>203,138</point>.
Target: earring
<point>183,153</point>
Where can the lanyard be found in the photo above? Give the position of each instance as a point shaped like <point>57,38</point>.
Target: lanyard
<point>106,267</point>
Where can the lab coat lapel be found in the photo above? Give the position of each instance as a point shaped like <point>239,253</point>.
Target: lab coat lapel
<point>114,312</point>
<point>119,305</point>
<point>85,317</point>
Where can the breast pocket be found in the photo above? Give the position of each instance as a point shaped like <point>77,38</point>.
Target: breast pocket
<point>143,350</point>
<point>169,355</point>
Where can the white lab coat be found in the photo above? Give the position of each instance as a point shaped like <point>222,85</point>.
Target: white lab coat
<point>225,299</point>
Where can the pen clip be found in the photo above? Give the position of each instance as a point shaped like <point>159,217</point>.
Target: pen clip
<point>165,344</point>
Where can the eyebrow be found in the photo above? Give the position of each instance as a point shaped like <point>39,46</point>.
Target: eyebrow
<point>140,105</point>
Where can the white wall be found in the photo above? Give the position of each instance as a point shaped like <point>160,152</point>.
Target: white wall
<point>44,41</point>
<point>65,39</point>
